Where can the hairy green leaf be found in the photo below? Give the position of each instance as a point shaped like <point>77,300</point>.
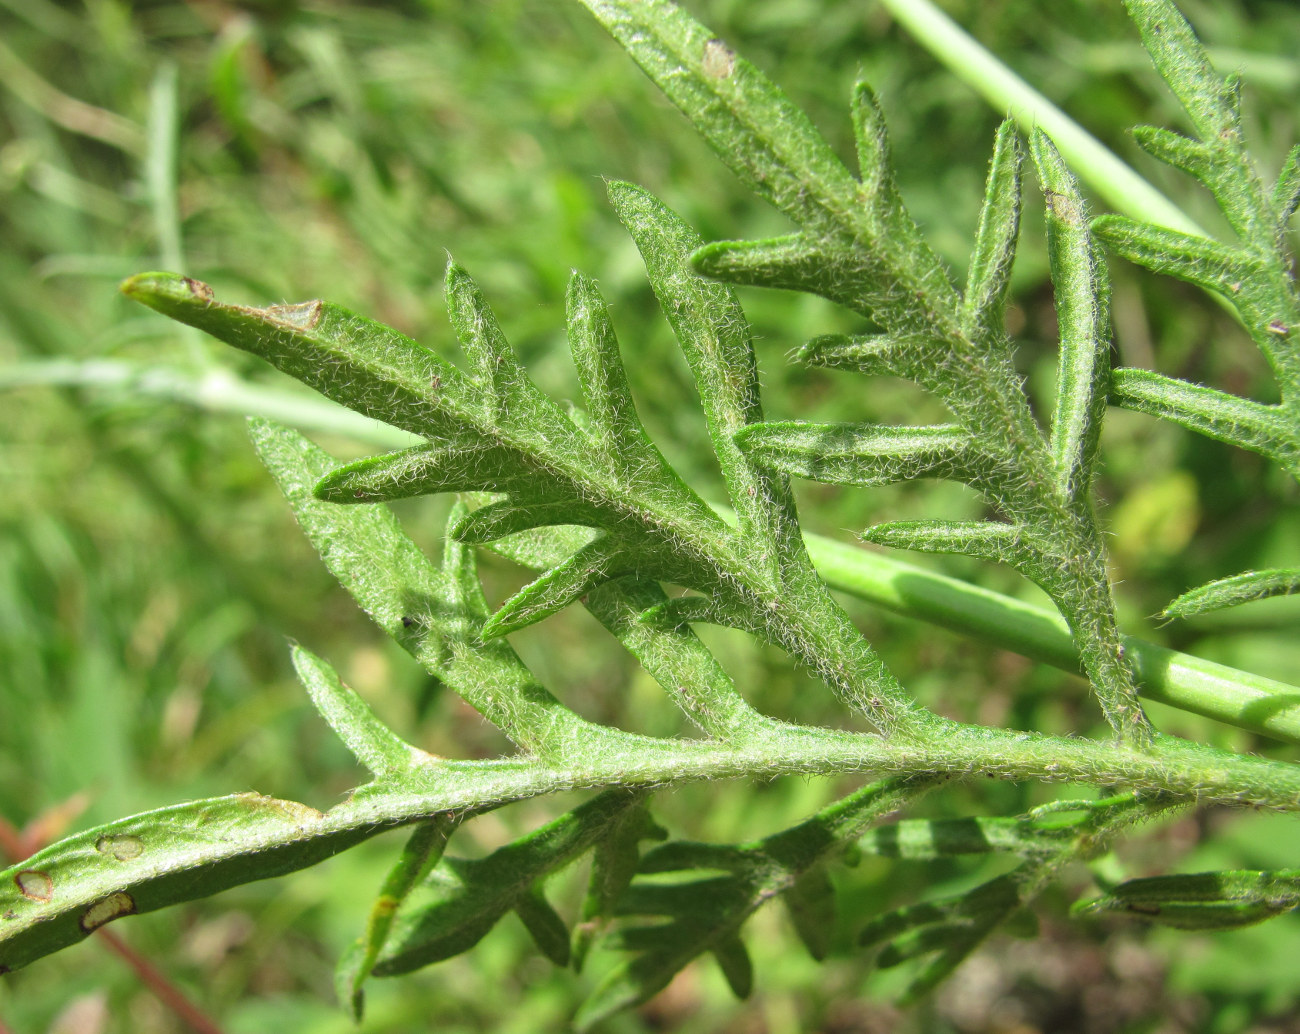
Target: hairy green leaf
<point>422,851</point>
<point>615,427</point>
<point>924,839</point>
<point>613,864</point>
<point>460,464</point>
<point>500,379</point>
<point>810,901</point>
<point>987,540</point>
<point>548,930</point>
<point>1083,318</point>
<point>601,561</point>
<point>995,239</point>
<point>1203,901</point>
<point>707,913</point>
<point>736,965</point>
<point>946,931</point>
<point>1197,260</point>
<point>375,745</point>
<point>1209,99</point>
<point>873,355</point>
<point>1215,414</point>
<point>462,899</point>
<point>65,892</point>
<point>509,517</point>
<point>1232,592</point>
<point>355,361</point>
<point>1286,191</point>
<point>1192,156</point>
<point>861,454</point>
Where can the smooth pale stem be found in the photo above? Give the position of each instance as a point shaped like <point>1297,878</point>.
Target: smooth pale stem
<point>214,390</point>
<point>161,177</point>
<point>1226,694</point>
<point>1094,163</point>
<point>1190,683</point>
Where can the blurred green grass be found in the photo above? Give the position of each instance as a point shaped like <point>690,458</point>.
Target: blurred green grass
<point>149,572</point>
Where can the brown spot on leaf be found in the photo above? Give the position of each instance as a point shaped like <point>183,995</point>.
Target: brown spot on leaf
<point>106,910</point>
<point>34,884</point>
<point>1279,327</point>
<point>121,846</point>
<point>199,289</point>
<point>719,59</point>
<point>1144,908</point>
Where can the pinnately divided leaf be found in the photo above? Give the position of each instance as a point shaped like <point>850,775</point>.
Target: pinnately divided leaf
<point>584,499</point>
<point>462,899</point>
<point>1254,273</point>
<point>943,932</point>
<point>857,245</point>
<point>687,919</point>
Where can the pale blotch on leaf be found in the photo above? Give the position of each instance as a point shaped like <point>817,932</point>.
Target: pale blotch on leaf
<point>719,59</point>
<point>34,884</point>
<point>1064,207</point>
<point>122,846</point>
<point>300,813</point>
<point>112,907</point>
<point>300,316</point>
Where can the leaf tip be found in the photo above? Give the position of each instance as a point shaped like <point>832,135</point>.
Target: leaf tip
<point>335,487</point>
<point>166,291</point>
<point>712,259</point>
<point>498,625</point>
<point>622,191</point>
<point>455,274</point>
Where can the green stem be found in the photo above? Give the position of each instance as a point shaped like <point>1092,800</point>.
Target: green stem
<point>1202,687</point>
<point>1094,163</point>
<point>176,856</point>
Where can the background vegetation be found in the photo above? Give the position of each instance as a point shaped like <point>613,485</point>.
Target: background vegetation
<point>149,570</point>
